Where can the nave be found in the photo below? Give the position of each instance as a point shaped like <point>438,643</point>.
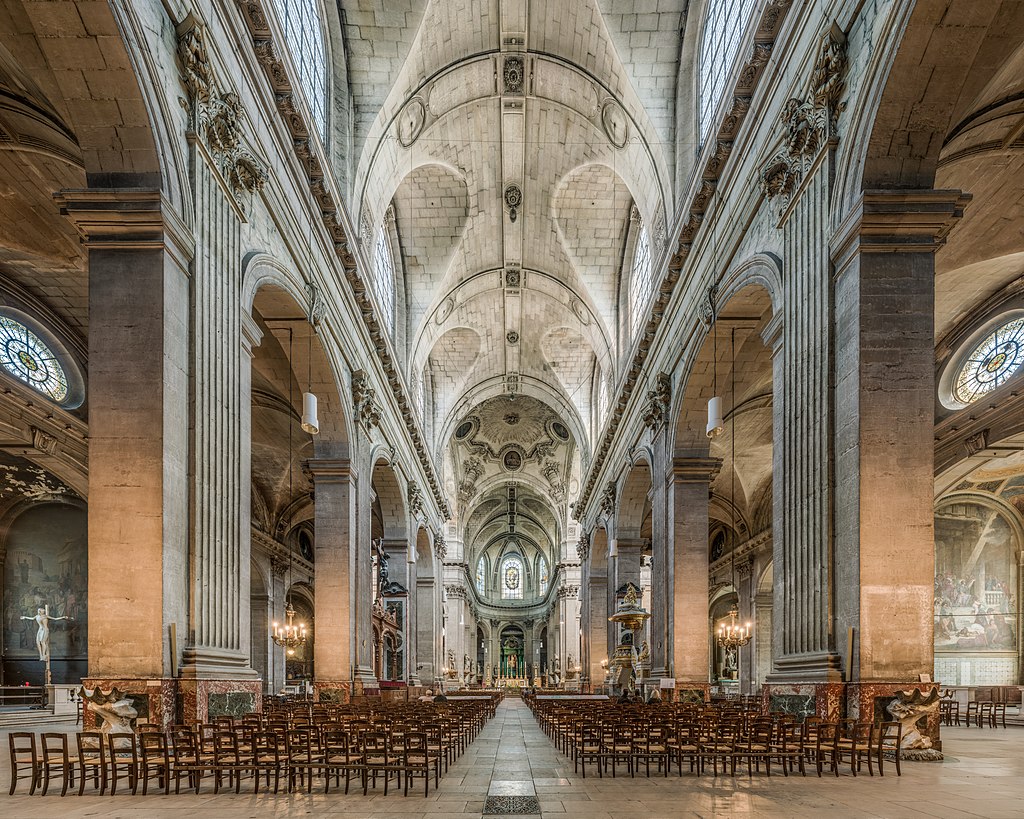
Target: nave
<point>513,758</point>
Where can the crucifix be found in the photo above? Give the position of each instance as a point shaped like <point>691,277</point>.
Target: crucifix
<point>42,619</point>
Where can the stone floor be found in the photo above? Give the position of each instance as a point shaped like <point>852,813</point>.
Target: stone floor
<point>983,776</point>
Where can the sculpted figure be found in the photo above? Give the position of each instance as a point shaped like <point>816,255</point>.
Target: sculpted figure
<point>42,619</point>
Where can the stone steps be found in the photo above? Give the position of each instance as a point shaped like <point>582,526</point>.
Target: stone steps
<point>31,718</point>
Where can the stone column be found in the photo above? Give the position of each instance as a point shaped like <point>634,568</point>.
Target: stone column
<point>334,538</point>
<point>595,625</point>
<point>885,405</point>
<point>745,607</point>
<point>360,589</point>
<point>688,506</point>
<point>661,576</point>
<point>139,256</point>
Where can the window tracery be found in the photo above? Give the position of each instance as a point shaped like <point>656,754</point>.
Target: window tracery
<point>725,23</point>
<point>512,578</point>
<point>481,576</point>
<point>27,357</point>
<point>542,575</point>
<point>384,277</point>
<point>304,35</point>
<point>991,363</point>
<point>641,282</point>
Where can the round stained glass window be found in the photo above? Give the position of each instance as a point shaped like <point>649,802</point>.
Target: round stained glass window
<point>991,363</point>
<point>25,356</point>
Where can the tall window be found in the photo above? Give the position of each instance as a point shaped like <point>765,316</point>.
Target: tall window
<point>512,578</point>
<point>542,575</point>
<point>304,34</point>
<point>724,26</point>
<point>384,277</point>
<point>481,574</point>
<point>641,282</point>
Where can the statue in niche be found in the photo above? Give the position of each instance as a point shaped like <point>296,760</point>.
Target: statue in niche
<point>467,666</point>
<point>645,653</point>
<point>42,620</point>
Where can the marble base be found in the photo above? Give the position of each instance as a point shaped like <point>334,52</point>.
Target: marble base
<point>335,692</point>
<point>823,699</point>
<point>868,700</point>
<point>154,700</point>
<point>202,700</point>
<point>686,691</point>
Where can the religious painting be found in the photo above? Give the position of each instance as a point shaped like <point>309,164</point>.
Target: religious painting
<point>975,580</point>
<point>46,567</point>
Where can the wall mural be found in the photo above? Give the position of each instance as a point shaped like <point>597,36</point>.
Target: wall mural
<point>46,564</point>
<point>975,579</point>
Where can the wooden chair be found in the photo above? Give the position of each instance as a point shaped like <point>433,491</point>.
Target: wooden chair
<point>858,744</point>
<point>684,743</point>
<point>649,743</point>
<point>341,756</point>
<point>23,752</point>
<point>417,761</point>
<point>188,760</point>
<point>890,737</point>
<point>756,745</point>
<point>267,758</point>
<point>377,759</point>
<point>587,747</point>
<point>55,759</point>
<point>998,714</point>
<point>156,761</point>
<point>123,754</point>
<point>304,757</point>
<point>92,759</point>
<point>824,748</point>
<point>787,747</point>
<point>618,746</point>
<point>720,746</point>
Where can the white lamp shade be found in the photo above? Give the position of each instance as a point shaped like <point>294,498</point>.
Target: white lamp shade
<point>310,422</point>
<point>715,422</point>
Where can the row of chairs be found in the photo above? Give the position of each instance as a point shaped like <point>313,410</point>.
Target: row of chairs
<point>979,714</point>
<point>404,745</point>
<point>612,738</point>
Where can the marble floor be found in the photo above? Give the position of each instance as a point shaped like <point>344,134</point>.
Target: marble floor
<point>983,776</point>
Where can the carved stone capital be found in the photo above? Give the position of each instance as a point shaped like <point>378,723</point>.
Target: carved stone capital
<point>583,546</point>
<point>608,499</point>
<point>695,470</point>
<point>415,497</point>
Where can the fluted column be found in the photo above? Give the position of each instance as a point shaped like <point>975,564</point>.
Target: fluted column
<point>688,506</point>
<point>885,407</point>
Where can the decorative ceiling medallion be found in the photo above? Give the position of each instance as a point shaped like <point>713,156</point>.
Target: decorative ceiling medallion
<point>581,311</point>
<point>512,337</point>
<point>512,459</point>
<point>512,419</point>
<point>513,75</point>
<point>444,310</point>
<point>513,200</point>
<point>410,121</point>
<point>513,277</point>
<point>615,123</point>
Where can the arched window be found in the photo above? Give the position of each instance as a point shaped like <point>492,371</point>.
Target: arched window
<point>304,34</point>
<point>724,25</point>
<point>542,575</point>
<point>30,354</point>
<point>641,283</point>
<point>512,578</point>
<point>481,575</point>
<point>384,276</point>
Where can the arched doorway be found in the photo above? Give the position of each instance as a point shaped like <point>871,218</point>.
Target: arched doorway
<point>512,647</point>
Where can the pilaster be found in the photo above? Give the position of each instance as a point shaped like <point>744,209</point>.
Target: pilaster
<point>688,490</point>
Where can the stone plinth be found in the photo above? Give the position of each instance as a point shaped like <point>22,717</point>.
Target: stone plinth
<point>202,700</point>
<point>868,700</point>
<point>335,692</point>
<point>823,699</point>
<point>154,700</point>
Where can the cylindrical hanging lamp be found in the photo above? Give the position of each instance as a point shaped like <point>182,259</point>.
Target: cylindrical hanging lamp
<point>715,422</point>
<point>310,422</point>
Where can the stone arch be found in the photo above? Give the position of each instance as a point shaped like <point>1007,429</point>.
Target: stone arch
<point>273,290</point>
<point>390,502</point>
<point>633,500</point>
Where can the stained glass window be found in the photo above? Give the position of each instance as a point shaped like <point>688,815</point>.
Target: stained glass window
<point>512,578</point>
<point>384,277</point>
<point>481,574</point>
<point>304,34</point>
<point>542,575</point>
<point>25,356</point>
<point>991,363</point>
<point>724,25</point>
<point>641,282</point>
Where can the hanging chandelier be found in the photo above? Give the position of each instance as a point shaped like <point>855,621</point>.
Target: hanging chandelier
<point>289,635</point>
<point>732,635</point>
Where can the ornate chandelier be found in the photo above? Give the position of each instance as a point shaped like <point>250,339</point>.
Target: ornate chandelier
<point>732,635</point>
<point>290,635</point>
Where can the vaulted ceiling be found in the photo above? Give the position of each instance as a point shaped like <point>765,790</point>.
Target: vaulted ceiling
<point>514,143</point>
